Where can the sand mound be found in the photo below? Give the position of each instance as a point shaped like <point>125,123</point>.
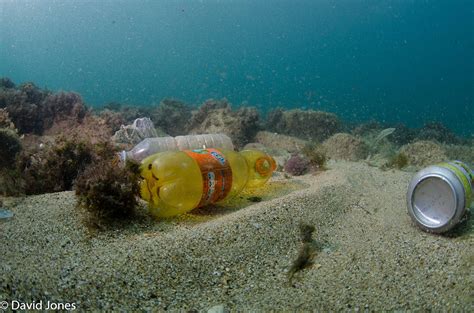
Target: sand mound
<point>342,146</point>
<point>424,153</point>
<point>372,256</point>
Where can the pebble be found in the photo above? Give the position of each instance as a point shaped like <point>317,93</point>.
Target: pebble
<point>218,309</point>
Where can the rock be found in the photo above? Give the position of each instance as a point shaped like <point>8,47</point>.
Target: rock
<point>464,153</point>
<point>424,153</point>
<point>438,132</point>
<point>277,141</point>
<point>10,146</point>
<point>92,129</point>
<point>344,146</point>
<point>63,106</point>
<point>34,110</point>
<point>5,121</point>
<point>402,135</point>
<point>306,124</point>
<point>172,116</point>
<point>255,146</point>
<point>114,120</point>
<point>218,309</point>
<point>216,116</point>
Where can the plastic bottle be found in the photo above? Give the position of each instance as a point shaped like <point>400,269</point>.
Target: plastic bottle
<point>150,146</point>
<point>176,182</point>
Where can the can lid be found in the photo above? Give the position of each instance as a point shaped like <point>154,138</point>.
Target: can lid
<point>434,202</point>
<point>436,199</point>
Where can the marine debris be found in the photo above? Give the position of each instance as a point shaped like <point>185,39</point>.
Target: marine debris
<point>132,134</point>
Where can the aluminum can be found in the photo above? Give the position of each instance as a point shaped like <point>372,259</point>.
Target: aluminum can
<point>439,196</point>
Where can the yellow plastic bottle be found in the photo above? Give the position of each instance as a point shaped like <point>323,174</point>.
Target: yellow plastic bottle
<point>175,182</point>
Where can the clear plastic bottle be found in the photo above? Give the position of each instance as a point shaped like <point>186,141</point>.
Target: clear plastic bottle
<point>150,146</point>
<point>175,182</point>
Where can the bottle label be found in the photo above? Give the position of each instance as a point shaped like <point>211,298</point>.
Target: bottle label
<point>216,174</point>
<point>463,178</point>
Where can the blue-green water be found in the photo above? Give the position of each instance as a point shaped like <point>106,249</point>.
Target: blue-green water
<point>394,61</point>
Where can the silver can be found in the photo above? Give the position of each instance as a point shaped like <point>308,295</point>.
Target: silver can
<point>438,196</point>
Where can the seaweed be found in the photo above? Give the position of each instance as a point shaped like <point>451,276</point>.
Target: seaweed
<point>172,116</point>
<point>297,165</point>
<point>374,143</point>
<point>108,191</point>
<point>304,260</point>
<point>10,146</point>
<point>316,155</point>
<point>304,124</point>
<point>11,182</point>
<point>398,161</point>
<point>54,168</point>
<point>254,199</point>
<point>306,232</point>
<point>438,132</point>
<point>306,253</point>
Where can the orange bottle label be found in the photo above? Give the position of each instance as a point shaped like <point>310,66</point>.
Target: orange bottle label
<point>216,174</point>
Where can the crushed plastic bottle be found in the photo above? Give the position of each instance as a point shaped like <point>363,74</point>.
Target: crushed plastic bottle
<point>140,129</point>
<point>150,146</point>
<point>175,182</point>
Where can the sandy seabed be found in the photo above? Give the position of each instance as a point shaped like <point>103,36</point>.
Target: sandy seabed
<point>237,256</point>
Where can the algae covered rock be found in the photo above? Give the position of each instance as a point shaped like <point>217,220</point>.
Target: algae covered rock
<point>172,116</point>
<point>53,168</point>
<point>107,190</point>
<point>91,129</point>
<point>216,116</point>
<point>34,110</point>
<point>438,132</point>
<point>306,124</point>
<point>464,153</point>
<point>10,146</point>
<point>114,120</point>
<point>63,106</point>
<point>343,146</point>
<point>424,153</point>
<point>278,141</point>
<point>5,121</point>
<point>24,107</point>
